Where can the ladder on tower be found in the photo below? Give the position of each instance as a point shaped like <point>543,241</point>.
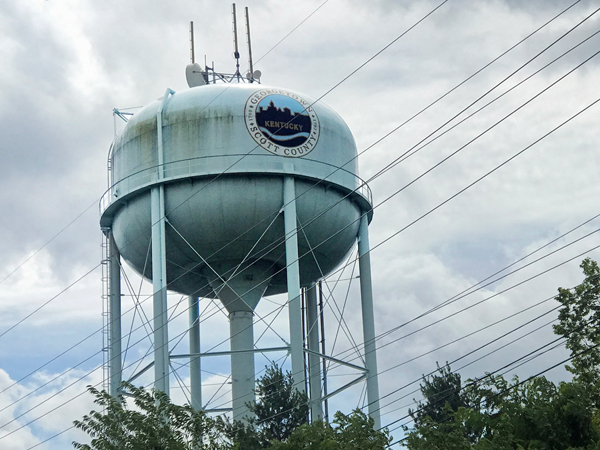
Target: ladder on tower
<point>105,311</point>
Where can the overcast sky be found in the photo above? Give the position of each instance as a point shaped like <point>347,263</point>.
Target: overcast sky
<point>67,64</point>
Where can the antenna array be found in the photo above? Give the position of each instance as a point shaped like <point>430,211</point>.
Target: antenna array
<point>196,76</point>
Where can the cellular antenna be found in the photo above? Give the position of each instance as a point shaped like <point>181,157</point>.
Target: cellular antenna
<point>236,53</point>
<point>250,75</point>
<point>192,52</point>
<point>193,72</point>
<point>197,75</point>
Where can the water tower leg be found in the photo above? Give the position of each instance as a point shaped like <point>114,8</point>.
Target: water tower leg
<point>159,284</point>
<point>293,282</point>
<point>114,319</point>
<point>194,334</point>
<point>314,366</point>
<point>366,295</point>
<point>242,363</point>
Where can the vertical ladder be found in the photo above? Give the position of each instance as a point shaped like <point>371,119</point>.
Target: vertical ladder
<point>106,276</point>
<point>105,310</point>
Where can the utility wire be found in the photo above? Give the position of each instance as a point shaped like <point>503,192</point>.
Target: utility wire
<point>470,291</point>
<point>99,383</point>
<point>461,367</point>
<point>487,298</point>
<point>502,368</point>
<point>486,174</point>
<point>48,242</point>
<point>320,97</point>
<point>521,382</point>
<point>562,12</point>
<point>20,321</point>
<point>489,374</point>
<point>293,29</point>
<point>568,120</point>
<point>454,153</point>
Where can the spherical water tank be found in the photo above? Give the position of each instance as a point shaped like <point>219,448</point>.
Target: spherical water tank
<point>227,149</point>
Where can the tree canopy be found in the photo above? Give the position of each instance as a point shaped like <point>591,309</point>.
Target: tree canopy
<point>349,432</point>
<point>280,408</point>
<point>494,414</point>
<point>154,423</point>
<point>578,323</point>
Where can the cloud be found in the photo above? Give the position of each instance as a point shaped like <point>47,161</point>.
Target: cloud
<point>29,415</point>
<point>67,65</point>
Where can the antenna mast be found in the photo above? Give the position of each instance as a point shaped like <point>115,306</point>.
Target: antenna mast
<point>192,53</point>
<point>251,72</point>
<point>236,53</point>
<point>198,76</point>
<point>193,72</point>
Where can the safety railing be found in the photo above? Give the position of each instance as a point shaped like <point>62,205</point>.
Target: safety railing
<point>201,166</point>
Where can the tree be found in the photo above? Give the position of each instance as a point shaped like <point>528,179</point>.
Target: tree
<point>537,414</point>
<point>157,424</point>
<point>154,423</point>
<point>445,417</point>
<point>579,323</point>
<point>533,415</point>
<point>349,432</point>
<point>442,394</point>
<point>279,409</point>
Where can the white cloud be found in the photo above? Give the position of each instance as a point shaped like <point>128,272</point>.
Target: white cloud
<point>66,65</point>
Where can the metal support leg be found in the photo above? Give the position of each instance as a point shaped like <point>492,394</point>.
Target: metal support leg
<point>159,264</point>
<point>366,294</point>
<point>314,367</point>
<point>242,363</point>
<point>114,320</point>
<point>159,283</point>
<point>293,282</point>
<point>194,334</point>
<point>323,351</point>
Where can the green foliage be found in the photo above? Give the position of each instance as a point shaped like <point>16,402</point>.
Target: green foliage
<point>579,320</point>
<point>442,397</point>
<point>492,414</point>
<point>280,408</point>
<point>241,436</point>
<point>536,415</point>
<point>349,432</point>
<point>154,424</point>
<point>486,414</point>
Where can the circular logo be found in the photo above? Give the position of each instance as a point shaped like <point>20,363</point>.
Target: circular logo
<point>282,123</point>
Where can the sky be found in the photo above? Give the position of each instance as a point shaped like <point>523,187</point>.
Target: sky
<point>67,64</point>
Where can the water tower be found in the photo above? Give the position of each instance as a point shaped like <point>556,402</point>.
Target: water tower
<point>241,191</point>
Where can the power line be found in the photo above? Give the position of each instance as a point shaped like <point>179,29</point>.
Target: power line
<point>487,298</point>
<point>68,401</point>
<point>48,242</point>
<point>488,375</point>
<point>293,29</point>
<point>470,290</point>
<point>568,120</point>
<point>331,88</point>
<point>503,367</point>
<point>12,327</point>
<point>335,86</point>
<point>463,366</point>
<point>454,153</point>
